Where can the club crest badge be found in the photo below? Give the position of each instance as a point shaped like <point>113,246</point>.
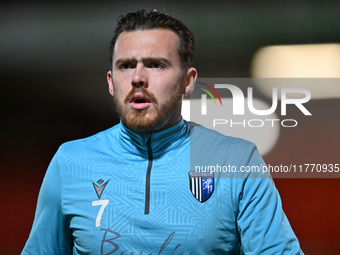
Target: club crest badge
<point>201,185</point>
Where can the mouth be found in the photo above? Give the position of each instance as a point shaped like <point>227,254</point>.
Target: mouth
<point>139,101</point>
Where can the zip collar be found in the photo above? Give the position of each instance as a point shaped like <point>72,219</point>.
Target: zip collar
<point>161,142</point>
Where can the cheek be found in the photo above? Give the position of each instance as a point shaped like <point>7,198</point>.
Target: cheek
<point>164,94</point>
<point>119,87</point>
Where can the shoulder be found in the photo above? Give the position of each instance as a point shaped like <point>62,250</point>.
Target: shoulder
<point>97,142</point>
<point>208,137</point>
<point>210,148</point>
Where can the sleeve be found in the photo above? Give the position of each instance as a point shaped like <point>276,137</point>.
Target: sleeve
<point>262,225</point>
<point>50,233</point>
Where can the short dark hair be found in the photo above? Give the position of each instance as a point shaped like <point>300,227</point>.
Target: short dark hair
<point>142,20</point>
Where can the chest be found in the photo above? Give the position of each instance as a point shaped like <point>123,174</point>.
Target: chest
<point>105,206</point>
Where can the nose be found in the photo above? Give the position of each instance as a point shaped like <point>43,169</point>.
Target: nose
<point>140,77</point>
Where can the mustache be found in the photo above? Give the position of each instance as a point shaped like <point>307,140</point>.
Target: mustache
<point>146,93</point>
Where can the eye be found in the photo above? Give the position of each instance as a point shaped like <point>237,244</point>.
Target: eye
<point>125,66</point>
<point>157,65</point>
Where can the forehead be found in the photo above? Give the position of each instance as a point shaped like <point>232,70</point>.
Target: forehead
<point>147,43</point>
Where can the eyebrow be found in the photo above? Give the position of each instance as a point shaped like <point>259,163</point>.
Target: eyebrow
<point>144,60</point>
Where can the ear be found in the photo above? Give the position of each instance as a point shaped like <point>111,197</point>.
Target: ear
<point>190,81</point>
<point>110,82</point>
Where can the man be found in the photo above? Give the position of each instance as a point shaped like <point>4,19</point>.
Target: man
<point>131,189</point>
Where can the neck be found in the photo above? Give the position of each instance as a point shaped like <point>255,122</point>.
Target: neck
<point>161,141</point>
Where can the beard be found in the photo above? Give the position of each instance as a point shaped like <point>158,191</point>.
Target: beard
<point>154,118</point>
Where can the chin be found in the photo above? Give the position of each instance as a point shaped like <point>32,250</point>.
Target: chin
<point>142,121</point>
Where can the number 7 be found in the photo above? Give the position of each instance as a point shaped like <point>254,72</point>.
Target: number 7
<point>103,204</point>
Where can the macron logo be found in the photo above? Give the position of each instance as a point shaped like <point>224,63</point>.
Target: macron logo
<point>100,188</point>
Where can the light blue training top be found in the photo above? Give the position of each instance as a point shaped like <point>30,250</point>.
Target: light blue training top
<point>121,192</point>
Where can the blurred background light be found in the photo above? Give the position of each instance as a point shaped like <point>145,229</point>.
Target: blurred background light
<point>321,61</point>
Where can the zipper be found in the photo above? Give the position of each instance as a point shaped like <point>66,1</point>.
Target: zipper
<point>148,176</point>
